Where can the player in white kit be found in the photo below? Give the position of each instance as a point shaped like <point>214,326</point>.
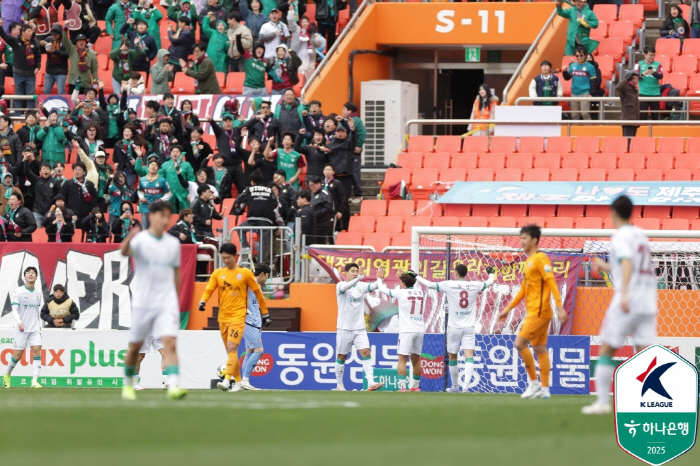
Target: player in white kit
<point>154,303</point>
<point>351,327</point>
<point>411,325</point>
<point>26,304</point>
<point>150,344</point>
<point>461,304</point>
<point>633,308</point>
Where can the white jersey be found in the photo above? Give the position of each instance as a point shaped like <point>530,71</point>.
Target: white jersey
<point>351,310</point>
<point>28,305</point>
<point>630,242</point>
<point>411,308</point>
<point>155,261</point>
<point>461,301</point>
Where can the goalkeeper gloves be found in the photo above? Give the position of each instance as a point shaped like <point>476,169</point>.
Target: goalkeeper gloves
<point>201,305</point>
<point>267,320</point>
<point>490,270</point>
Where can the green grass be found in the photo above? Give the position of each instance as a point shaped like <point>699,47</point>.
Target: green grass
<point>94,427</point>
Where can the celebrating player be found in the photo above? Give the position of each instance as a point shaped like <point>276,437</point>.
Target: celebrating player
<point>155,295</point>
<point>253,324</point>
<point>537,287</point>
<point>156,345</point>
<point>633,308</point>
<point>411,326</point>
<point>351,327</point>
<point>233,283</point>
<point>461,304</point>
<point>26,303</point>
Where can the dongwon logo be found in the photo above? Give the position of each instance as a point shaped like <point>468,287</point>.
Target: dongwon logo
<point>656,405</point>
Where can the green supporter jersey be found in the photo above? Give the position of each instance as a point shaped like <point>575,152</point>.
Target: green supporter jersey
<point>289,162</point>
<point>255,70</point>
<point>649,85</point>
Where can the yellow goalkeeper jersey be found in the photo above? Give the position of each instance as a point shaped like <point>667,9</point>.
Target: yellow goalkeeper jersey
<point>233,286</point>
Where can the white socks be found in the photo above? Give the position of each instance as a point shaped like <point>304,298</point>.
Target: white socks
<point>36,369</point>
<point>369,370</point>
<point>604,371</point>
<point>468,372</point>
<point>339,372</point>
<point>11,365</point>
<point>454,373</point>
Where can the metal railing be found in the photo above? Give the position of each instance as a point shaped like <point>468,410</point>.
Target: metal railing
<point>211,256</point>
<point>10,97</point>
<point>336,45</point>
<point>276,250</point>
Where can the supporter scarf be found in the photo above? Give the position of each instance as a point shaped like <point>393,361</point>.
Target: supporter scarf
<point>278,70</point>
<point>2,226</point>
<point>168,111</point>
<point>231,142</point>
<point>26,6</point>
<point>320,122</point>
<point>87,197</point>
<point>32,132</point>
<point>113,111</point>
<point>634,86</point>
<point>54,59</point>
<point>126,227</point>
<point>164,143</point>
<point>29,53</point>
<point>142,43</point>
<point>82,60</point>
<point>124,63</point>
<point>187,120</point>
<point>195,148</point>
<point>266,125</point>
<point>198,62</point>
<point>126,147</point>
<point>331,7</point>
<point>59,226</point>
<point>127,9</point>
<point>12,225</point>
<point>190,228</point>
<point>5,144</point>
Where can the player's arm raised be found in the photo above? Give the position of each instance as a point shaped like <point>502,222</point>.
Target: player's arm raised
<point>124,247</point>
<point>428,283</point>
<point>15,310</point>
<point>492,277</point>
<point>209,290</point>
<point>551,283</point>
<point>381,274</point>
<point>262,304</point>
<point>347,285</point>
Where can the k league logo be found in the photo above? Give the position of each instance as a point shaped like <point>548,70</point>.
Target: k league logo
<point>656,405</point>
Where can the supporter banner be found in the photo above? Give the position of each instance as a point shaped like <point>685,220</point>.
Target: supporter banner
<point>434,267</point>
<point>96,276</point>
<point>642,193</point>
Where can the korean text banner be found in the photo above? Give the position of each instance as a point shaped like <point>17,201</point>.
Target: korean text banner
<point>96,276</point>
<point>509,275</point>
<point>588,193</point>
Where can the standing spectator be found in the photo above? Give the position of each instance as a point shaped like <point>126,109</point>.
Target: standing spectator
<point>204,212</point>
<point>341,210</point>
<point>82,62</point>
<point>153,187</point>
<point>57,174</point>
<point>307,215</point>
<point>282,70</point>
<point>341,149</point>
<point>287,195</point>
<point>117,192</point>
<point>580,74</point>
<point>288,159</point>
<point>59,311</point>
<point>59,201</point>
<point>546,85</point>
<point>85,114</point>
<point>289,114</point>
<point>273,34</point>
<point>198,150</point>
<point>581,20</point>
<point>61,230</point>
<point>152,15</point>
<point>27,133</point>
<point>323,207</point>
<point>675,26</point>
<point>95,227</point>
<point>181,42</point>
<point>360,134</point>
<point>6,65</point>
<point>255,68</point>
<point>236,28</point>
<point>97,171</point>
<point>218,176</point>
<point>7,188</point>
<point>313,118</point>
<point>115,109</point>
<point>26,61</point>
<point>125,222</point>
<point>483,109</point>
<point>226,141</point>
<point>628,89</point>
<point>201,178</point>
<point>125,150</point>
<point>315,152</point>
<point>124,59</point>
<point>178,174</point>
<point>203,71</point>
<point>53,138</point>
<point>650,75</point>
<point>56,62</point>
<point>10,143</point>
<point>327,12</point>
<point>161,73</point>
<point>118,14</point>
<point>19,221</point>
<point>80,193</point>
<point>184,8</point>
<point>218,43</point>
<point>265,162</point>
<point>304,43</point>
<point>694,19</point>
<point>253,16</point>
<point>149,48</point>
<point>169,110</point>
<point>184,229</point>
<point>597,80</point>
<point>263,125</point>
<point>81,21</point>
<point>44,191</point>
<point>29,164</point>
<point>162,138</point>
<point>263,210</point>
<point>217,10</point>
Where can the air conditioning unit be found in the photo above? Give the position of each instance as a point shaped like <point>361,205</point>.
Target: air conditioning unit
<point>386,107</point>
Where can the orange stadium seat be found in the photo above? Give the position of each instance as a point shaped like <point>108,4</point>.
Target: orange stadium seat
<point>615,144</point>
<point>449,175</point>
<point>603,161</point>
<point>691,213</point>
<point>577,161</point>
<point>451,144</point>
<point>653,174</point>
<point>657,211</point>
<point>693,145</point>
<point>662,161</point>
<point>647,223</point>
<point>401,239</point>
<point>621,174</point>
<point>591,223</point>
<point>612,47</point>
<point>685,64</point>
<point>634,13</point>
<point>393,176</point>
<point>427,208</point>
<point>559,144</point>
<point>696,224</point>
<point>607,67</point>
<point>509,174</point>
<point>393,224</point>
<point>587,144</point>
<point>234,82</point>
<point>668,47</point>
<point>505,144</point>
<point>565,174</point>
<point>373,207</point>
<point>422,184</point>
<point>549,161</point>
<point>691,46</point>
<point>666,63</point>
<point>410,160</point>
<point>485,210</point>
<point>183,84</point>
<point>643,144</point>
<point>436,160</point>
<point>671,145</point>
<point>602,211</point>
<point>593,174</point>
<point>570,210</point>
<point>447,222</point>
<point>676,224</point>
<point>492,160</point>
<point>536,174</point>
<point>349,239</point>
<point>560,222</point>
<point>522,221</point>
<point>377,240</point>
<point>503,222</point>
<point>605,12</point>
<point>420,144</point>
<point>480,174</point>
<point>475,144</point>
<point>601,32</point>
<point>677,80</point>
<point>678,174</point>
<point>466,161</point>
<point>458,210</point>
<point>635,161</point>
<point>531,144</point>
<point>416,222</point>
<point>624,30</point>
<point>542,210</point>
<point>522,161</point>
<point>401,208</point>
<point>688,161</point>
<point>475,222</point>
<point>513,210</point>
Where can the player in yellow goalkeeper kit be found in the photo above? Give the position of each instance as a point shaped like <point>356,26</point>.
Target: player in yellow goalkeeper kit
<point>233,283</point>
<point>537,288</point>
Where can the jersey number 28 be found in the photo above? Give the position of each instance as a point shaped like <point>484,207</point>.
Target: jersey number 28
<point>413,300</point>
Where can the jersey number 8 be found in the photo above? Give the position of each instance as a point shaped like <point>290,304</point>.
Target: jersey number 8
<point>464,299</point>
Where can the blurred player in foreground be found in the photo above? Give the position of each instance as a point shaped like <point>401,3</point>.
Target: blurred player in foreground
<point>411,325</point>
<point>155,295</point>
<point>233,283</point>
<point>461,304</point>
<point>26,304</point>
<point>537,287</point>
<point>633,308</point>
<point>150,343</point>
<point>252,334</point>
<point>351,327</point>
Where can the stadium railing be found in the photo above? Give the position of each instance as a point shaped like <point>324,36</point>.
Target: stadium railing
<point>601,112</point>
<point>10,97</point>
<point>281,252</point>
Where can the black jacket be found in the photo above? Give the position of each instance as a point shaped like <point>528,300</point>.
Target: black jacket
<point>224,189</point>
<point>316,158</point>
<point>176,117</point>
<point>45,189</point>
<point>82,121</point>
<point>15,146</point>
<point>63,308</point>
<point>339,201</point>
<point>181,227</point>
<point>182,46</point>
<point>289,198</point>
<point>95,233</point>
<point>257,128</point>
<point>20,67</point>
<point>143,63</point>
<point>25,136</point>
<point>667,28</point>
<point>341,152</point>
<point>74,197</point>
<point>323,12</point>
<point>223,144</point>
<point>118,229</point>
<point>323,206</point>
<point>57,61</point>
<point>308,222</point>
<point>67,232</point>
<point>288,119</point>
<point>23,219</point>
<point>23,173</point>
<point>262,205</point>
<point>118,156</point>
<point>201,157</point>
<point>204,211</point>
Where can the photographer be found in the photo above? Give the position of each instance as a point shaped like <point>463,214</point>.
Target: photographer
<point>126,222</point>
<point>95,227</point>
<point>61,229</point>
<point>59,311</point>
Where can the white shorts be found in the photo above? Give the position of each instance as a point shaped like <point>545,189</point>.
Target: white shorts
<point>617,326</point>
<point>410,343</point>
<point>151,343</point>
<point>153,324</point>
<point>25,340</point>
<point>345,339</point>
<point>460,338</point>
<point>253,337</point>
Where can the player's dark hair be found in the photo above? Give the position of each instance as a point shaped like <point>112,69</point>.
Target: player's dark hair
<point>36,272</point>
<point>262,268</point>
<point>461,270</point>
<point>59,288</point>
<point>622,207</point>
<point>408,279</point>
<point>304,194</point>
<point>533,231</point>
<point>160,206</point>
<point>228,248</point>
<point>351,265</point>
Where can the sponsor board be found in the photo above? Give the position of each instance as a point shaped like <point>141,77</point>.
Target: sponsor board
<point>388,377</point>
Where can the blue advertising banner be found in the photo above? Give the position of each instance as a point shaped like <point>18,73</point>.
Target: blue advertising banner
<point>588,193</point>
<point>306,361</point>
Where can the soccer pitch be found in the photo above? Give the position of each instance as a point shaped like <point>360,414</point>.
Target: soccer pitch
<point>95,427</point>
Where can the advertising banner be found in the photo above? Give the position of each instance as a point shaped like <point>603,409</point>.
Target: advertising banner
<point>678,193</point>
<point>96,276</point>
